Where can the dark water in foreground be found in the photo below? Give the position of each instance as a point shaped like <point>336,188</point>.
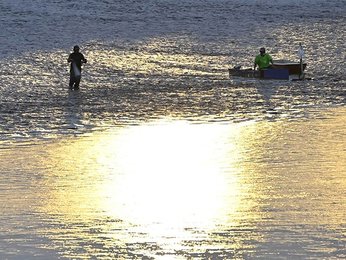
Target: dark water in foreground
<point>160,155</point>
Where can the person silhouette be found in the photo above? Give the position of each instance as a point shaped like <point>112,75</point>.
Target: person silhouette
<point>76,59</point>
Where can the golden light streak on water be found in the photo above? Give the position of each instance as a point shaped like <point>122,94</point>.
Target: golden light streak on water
<point>171,187</point>
<point>164,179</point>
<point>170,173</point>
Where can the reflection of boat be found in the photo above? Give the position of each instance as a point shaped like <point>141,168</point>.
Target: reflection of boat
<point>279,70</point>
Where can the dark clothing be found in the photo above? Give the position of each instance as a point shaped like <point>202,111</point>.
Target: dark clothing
<point>75,58</point>
<point>74,81</point>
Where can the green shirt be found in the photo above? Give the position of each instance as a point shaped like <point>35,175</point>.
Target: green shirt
<point>263,61</point>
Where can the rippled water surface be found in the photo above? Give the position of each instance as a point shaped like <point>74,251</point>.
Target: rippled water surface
<point>179,190</point>
<point>159,154</point>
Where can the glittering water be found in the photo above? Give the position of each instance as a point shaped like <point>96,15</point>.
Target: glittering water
<point>160,154</point>
<point>175,189</point>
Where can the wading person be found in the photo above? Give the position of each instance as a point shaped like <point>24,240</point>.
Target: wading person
<point>263,60</point>
<point>76,59</point>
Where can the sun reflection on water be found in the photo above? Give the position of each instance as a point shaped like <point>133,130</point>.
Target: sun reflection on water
<point>166,173</point>
<point>166,180</point>
<point>174,188</point>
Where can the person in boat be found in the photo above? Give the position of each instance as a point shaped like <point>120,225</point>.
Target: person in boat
<point>263,60</point>
<point>76,59</point>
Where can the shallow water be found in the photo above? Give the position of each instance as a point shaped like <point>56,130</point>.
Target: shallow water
<point>172,188</point>
<point>160,155</point>
<point>163,59</point>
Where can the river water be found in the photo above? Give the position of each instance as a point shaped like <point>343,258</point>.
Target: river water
<point>160,155</point>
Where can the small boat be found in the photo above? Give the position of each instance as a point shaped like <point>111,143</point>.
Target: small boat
<point>294,68</point>
<point>279,70</point>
